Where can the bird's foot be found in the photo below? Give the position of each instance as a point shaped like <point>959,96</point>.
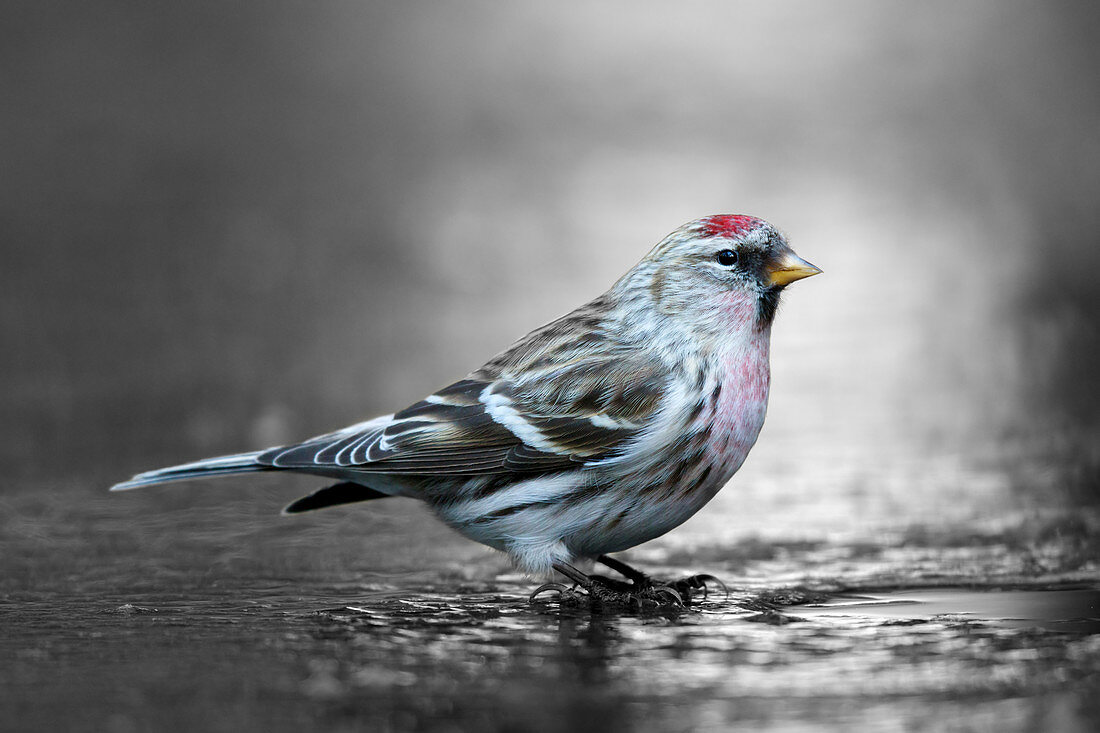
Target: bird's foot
<point>640,593</point>
<point>693,587</point>
<point>599,592</point>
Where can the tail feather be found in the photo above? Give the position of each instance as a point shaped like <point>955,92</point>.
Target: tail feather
<point>207,468</point>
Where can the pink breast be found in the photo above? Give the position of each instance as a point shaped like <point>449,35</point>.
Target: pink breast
<point>742,402</point>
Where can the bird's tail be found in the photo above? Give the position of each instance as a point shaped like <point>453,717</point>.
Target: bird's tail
<point>239,463</point>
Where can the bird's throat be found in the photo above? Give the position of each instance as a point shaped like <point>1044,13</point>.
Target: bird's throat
<point>766,306</point>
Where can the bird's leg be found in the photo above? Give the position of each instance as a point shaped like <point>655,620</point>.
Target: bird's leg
<point>683,587</point>
<point>627,571</point>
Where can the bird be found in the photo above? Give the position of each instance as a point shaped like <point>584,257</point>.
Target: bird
<point>594,433</point>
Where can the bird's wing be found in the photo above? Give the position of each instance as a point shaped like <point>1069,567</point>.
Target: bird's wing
<point>576,409</point>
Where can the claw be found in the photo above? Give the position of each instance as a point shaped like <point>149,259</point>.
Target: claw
<point>700,582</point>
<point>545,588</point>
<point>705,578</point>
<point>668,591</point>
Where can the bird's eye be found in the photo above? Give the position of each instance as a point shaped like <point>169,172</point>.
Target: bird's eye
<point>727,258</point>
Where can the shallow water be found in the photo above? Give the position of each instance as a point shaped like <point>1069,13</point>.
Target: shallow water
<point>187,616</point>
<point>485,658</point>
<point>1070,609</point>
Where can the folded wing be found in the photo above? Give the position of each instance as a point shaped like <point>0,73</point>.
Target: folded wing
<point>579,410</point>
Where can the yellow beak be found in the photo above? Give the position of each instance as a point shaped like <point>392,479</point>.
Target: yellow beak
<point>788,267</point>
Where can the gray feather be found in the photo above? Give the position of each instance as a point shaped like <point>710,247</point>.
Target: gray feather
<point>207,468</point>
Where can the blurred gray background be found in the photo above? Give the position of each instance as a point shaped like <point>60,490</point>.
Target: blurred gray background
<point>227,226</point>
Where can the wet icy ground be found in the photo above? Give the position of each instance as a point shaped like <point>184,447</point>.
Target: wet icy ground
<point>195,614</point>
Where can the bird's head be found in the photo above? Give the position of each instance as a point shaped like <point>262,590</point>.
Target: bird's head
<point>720,272</point>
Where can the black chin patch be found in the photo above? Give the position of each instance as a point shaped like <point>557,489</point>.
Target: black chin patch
<point>766,306</point>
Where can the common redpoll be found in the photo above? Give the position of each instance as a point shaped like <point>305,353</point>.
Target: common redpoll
<point>592,434</point>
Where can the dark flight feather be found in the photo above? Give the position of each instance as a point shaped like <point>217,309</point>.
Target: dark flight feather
<point>346,492</point>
